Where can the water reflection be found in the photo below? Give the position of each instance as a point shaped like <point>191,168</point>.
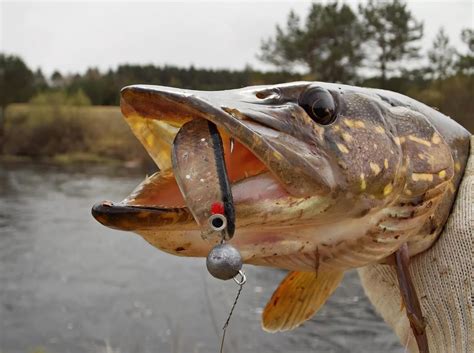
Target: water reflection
<point>68,284</point>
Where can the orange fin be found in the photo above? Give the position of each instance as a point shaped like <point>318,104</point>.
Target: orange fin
<point>298,297</point>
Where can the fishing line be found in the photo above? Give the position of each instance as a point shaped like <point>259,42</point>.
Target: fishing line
<point>224,328</point>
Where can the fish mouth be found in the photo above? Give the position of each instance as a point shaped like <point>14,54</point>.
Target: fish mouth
<point>276,178</point>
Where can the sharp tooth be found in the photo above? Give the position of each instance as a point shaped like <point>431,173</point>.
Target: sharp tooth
<point>231,144</point>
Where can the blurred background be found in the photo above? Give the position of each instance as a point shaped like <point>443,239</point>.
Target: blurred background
<point>68,284</point>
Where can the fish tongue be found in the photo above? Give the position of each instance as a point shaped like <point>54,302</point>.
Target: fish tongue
<point>200,171</point>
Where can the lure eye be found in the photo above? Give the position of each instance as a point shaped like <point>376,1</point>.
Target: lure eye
<point>319,104</point>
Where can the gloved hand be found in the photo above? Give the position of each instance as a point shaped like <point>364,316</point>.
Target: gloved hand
<point>443,277</point>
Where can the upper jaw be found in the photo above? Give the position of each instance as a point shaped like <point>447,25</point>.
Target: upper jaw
<point>276,131</point>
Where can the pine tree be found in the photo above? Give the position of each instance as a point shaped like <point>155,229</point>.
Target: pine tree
<point>391,33</point>
<point>441,57</point>
<point>327,45</point>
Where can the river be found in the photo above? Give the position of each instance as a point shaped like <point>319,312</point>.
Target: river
<point>70,285</point>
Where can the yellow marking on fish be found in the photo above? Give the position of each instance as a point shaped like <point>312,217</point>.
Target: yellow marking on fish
<point>419,140</point>
<point>363,184</point>
<point>347,137</point>
<point>354,123</point>
<point>277,155</point>
<point>422,177</point>
<point>387,189</point>
<point>359,124</point>
<point>457,166</point>
<point>342,164</point>
<point>380,130</point>
<point>442,174</point>
<point>451,187</point>
<point>399,141</point>
<point>342,148</point>
<point>385,163</point>
<point>436,139</point>
<point>421,156</point>
<point>349,123</point>
<point>408,192</point>
<point>375,168</point>
<point>336,128</point>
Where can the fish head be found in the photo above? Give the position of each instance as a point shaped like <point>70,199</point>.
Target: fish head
<point>309,163</point>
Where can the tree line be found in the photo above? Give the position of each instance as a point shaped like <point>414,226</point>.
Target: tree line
<point>376,44</point>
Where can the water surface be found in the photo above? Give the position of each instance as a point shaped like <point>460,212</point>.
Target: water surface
<point>70,285</point>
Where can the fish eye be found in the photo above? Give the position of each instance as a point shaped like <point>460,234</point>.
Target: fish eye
<point>319,104</point>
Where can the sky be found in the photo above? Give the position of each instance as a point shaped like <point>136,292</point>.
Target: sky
<point>71,36</point>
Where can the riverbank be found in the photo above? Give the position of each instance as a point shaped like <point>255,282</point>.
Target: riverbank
<point>62,134</point>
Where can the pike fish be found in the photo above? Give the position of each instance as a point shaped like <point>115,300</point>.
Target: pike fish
<point>324,178</point>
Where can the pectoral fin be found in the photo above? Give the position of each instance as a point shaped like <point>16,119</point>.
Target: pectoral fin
<point>298,297</point>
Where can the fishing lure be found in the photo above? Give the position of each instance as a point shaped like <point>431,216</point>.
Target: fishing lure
<point>201,175</point>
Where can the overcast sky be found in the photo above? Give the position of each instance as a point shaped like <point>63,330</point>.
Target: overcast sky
<point>72,36</point>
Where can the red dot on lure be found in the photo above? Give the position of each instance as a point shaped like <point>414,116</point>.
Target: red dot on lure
<point>217,208</point>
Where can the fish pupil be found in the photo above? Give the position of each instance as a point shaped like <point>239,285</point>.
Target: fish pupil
<point>318,104</point>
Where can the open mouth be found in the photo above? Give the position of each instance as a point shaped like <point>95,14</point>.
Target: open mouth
<point>256,158</point>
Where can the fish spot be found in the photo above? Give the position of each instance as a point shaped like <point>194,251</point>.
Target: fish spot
<point>380,130</point>
<point>354,123</point>
<point>457,166</point>
<point>419,140</point>
<point>399,140</point>
<point>408,192</point>
<point>363,184</point>
<point>442,174</point>
<point>385,163</point>
<point>359,124</point>
<point>342,164</point>
<point>387,189</point>
<point>342,148</point>
<point>435,139</point>
<point>347,137</point>
<point>277,155</point>
<point>422,177</point>
<point>349,123</point>
<point>375,168</point>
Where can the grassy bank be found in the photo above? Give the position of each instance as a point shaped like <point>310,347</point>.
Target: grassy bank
<point>69,134</point>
